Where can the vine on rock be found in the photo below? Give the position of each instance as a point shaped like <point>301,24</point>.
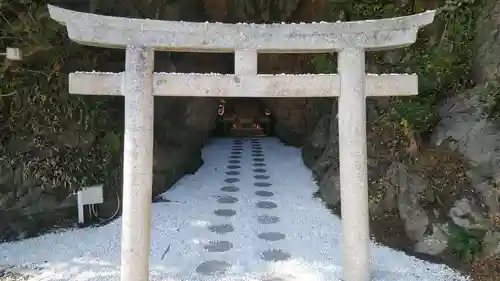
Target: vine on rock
<point>441,56</point>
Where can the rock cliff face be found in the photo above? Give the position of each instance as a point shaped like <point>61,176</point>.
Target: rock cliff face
<point>448,196</point>
<point>182,125</point>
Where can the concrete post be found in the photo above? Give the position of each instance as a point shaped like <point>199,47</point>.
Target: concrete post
<point>353,167</point>
<point>245,62</point>
<point>137,163</point>
<point>92,6</point>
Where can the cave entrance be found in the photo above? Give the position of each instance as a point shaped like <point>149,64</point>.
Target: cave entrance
<point>243,117</point>
<point>141,38</point>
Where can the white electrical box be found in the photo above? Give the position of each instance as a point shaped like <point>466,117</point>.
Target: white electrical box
<point>14,54</point>
<point>87,196</point>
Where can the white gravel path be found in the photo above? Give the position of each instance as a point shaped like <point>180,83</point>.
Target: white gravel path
<point>307,234</point>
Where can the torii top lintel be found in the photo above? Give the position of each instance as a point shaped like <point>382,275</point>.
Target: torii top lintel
<point>116,32</point>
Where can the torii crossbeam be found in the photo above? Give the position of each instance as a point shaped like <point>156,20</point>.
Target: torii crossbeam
<point>141,37</point>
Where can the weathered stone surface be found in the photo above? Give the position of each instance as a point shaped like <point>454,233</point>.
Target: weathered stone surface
<point>435,243</point>
<point>329,187</point>
<point>288,38</point>
<point>463,127</point>
<point>409,188</point>
<point>491,244</point>
<point>486,63</point>
<point>465,214</point>
<point>255,86</point>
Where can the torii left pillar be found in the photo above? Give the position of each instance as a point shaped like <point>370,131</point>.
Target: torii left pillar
<point>137,163</point>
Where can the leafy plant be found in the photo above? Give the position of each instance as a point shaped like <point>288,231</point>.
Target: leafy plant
<point>466,243</point>
<point>441,57</point>
<point>59,141</point>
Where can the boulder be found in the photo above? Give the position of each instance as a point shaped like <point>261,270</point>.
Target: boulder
<point>435,242</point>
<point>491,244</point>
<point>329,187</point>
<point>465,214</point>
<point>409,186</point>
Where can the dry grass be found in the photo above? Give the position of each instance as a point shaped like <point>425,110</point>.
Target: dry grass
<point>486,269</point>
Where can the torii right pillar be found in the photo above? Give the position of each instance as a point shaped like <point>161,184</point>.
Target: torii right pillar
<point>356,241</point>
<point>353,166</point>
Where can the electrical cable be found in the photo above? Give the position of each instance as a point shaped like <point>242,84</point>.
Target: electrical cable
<point>96,214</point>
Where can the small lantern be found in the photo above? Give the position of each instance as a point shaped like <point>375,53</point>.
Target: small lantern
<point>221,110</point>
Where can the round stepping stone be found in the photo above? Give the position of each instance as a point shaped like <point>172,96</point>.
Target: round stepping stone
<point>259,164</point>
<point>258,159</point>
<point>229,188</point>
<point>235,157</point>
<point>259,170</point>
<point>264,193</point>
<point>227,199</point>
<point>221,228</point>
<point>261,177</point>
<point>267,219</point>
<point>232,173</point>
<point>225,212</point>
<point>271,236</point>
<point>234,161</point>
<point>262,184</point>
<point>266,205</point>
<point>233,167</point>
<point>275,255</point>
<point>213,267</point>
<point>232,180</point>
<point>218,246</point>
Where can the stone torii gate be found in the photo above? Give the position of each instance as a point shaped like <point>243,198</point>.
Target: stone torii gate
<point>141,37</point>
